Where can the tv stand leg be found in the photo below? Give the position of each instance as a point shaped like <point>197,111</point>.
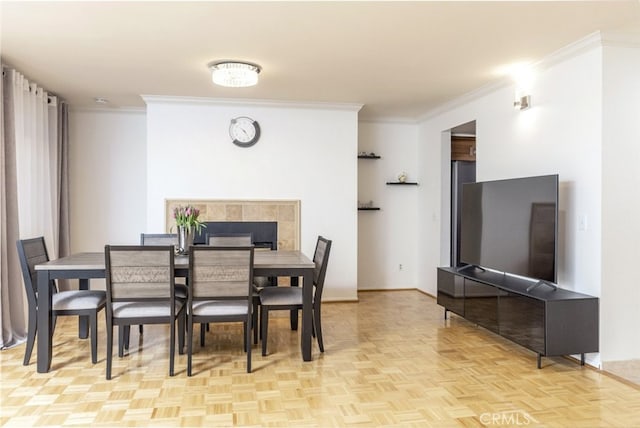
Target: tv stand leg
<point>445,314</point>
<point>539,361</point>
<point>582,359</point>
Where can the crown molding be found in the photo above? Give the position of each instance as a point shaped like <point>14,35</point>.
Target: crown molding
<point>592,41</point>
<point>152,99</point>
<point>585,44</point>
<point>621,39</point>
<point>94,109</point>
<point>466,98</point>
<point>389,120</point>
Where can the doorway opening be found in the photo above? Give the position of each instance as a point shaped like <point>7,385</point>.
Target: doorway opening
<point>463,170</point>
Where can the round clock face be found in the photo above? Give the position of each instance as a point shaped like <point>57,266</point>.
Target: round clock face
<point>244,131</point>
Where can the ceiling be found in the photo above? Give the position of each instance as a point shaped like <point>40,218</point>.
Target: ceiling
<point>398,59</point>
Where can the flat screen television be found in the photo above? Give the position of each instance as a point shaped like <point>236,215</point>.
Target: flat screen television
<point>511,226</point>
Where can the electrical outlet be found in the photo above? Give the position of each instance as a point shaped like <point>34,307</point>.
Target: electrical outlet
<point>400,266</point>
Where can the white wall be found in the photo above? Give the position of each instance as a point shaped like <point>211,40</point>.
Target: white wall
<point>620,299</point>
<point>107,162</point>
<point>305,153</point>
<point>559,134</point>
<point>388,238</point>
<point>583,126</point>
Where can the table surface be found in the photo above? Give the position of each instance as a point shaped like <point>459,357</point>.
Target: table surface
<point>261,259</point>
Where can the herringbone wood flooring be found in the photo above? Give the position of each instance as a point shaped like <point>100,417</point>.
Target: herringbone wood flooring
<point>389,360</point>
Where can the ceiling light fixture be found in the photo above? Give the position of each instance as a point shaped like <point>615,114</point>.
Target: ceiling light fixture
<point>234,74</point>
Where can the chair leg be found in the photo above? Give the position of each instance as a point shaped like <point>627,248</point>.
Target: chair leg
<point>53,324</point>
<point>264,326</point>
<point>189,343</point>
<point>203,327</point>
<point>172,346</point>
<point>247,344</point>
<point>93,324</point>
<point>254,322</point>
<point>140,329</point>
<point>109,348</point>
<point>293,318</point>
<point>181,331</point>
<point>317,327</point>
<point>31,336</point>
<point>244,334</point>
<point>123,338</point>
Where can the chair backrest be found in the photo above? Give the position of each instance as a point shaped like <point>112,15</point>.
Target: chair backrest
<point>220,272</point>
<point>139,272</point>
<point>230,239</point>
<point>321,260</point>
<point>158,239</point>
<point>32,252</point>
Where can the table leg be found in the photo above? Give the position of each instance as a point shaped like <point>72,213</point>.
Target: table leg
<point>83,321</point>
<point>44,350</point>
<point>307,314</point>
<point>293,316</point>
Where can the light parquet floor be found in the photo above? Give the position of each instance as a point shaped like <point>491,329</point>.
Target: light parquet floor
<point>389,360</point>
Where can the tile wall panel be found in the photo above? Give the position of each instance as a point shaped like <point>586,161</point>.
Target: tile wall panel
<point>285,213</point>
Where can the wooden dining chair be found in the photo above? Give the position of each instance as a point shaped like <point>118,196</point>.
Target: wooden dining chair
<point>141,290</point>
<point>221,290</point>
<point>166,239</point>
<point>74,302</point>
<point>181,288</point>
<point>290,298</point>
<point>234,239</point>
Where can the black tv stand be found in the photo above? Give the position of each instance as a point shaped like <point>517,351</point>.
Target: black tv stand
<point>542,282</point>
<point>550,321</point>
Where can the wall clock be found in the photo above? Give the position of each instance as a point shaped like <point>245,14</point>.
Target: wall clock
<point>244,131</point>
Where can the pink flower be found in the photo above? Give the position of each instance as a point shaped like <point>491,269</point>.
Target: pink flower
<point>187,216</point>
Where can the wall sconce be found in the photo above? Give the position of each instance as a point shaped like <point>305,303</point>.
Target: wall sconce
<point>522,102</point>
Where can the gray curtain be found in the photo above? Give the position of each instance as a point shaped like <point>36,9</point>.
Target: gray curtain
<point>13,306</point>
<point>12,299</point>
<point>63,207</point>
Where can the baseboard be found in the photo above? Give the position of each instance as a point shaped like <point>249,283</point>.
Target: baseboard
<point>626,370</point>
<point>340,301</point>
<point>373,290</point>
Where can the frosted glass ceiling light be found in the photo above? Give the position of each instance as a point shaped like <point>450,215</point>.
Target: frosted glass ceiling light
<point>234,74</point>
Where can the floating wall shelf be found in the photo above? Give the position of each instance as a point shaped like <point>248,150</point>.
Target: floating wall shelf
<point>369,209</point>
<point>368,157</point>
<point>398,183</point>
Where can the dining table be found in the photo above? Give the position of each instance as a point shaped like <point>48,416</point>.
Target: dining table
<point>90,265</point>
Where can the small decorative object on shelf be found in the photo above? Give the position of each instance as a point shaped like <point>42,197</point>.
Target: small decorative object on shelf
<point>186,218</point>
<point>402,179</point>
<point>369,155</point>
<point>367,206</point>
